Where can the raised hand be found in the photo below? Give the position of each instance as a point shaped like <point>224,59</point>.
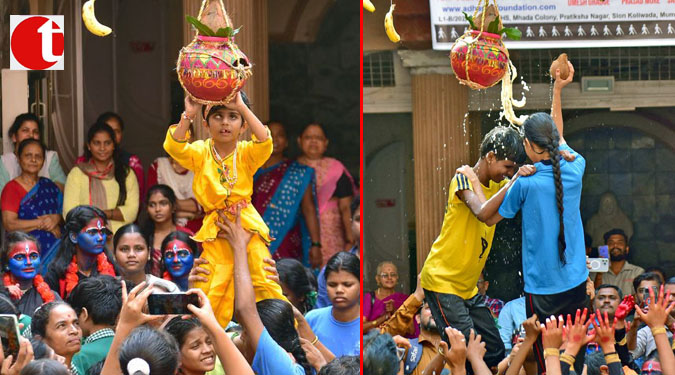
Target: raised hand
<point>191,107</point>
<point>552,332</point>
<point>532,328</point>
<point>625,307</point>
<point>577,331</point>
<point>419,291</point>
<point>559,82</point>
<point>456,356</point>
<point>11,367</point>
<point>131,314</point>
<point>196,272</point>
<point>604,332</point>
<point>272,269</point>
<point>475,348</point>
<point>659,309</point>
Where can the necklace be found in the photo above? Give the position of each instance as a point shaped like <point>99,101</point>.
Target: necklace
<point>223,170</point>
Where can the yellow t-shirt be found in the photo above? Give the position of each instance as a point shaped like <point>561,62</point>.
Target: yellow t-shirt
<point>211,192</point>
<point>458,255</point>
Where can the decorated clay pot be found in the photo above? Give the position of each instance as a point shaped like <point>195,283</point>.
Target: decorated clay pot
<point>212,69</point>
<point>487,62</point>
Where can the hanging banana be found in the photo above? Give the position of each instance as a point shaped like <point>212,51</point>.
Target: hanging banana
<point>90,21</point>
<point>389,25</point>
<point>367,5</point>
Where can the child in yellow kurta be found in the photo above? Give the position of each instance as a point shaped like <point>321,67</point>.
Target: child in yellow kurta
<point>223,180</point>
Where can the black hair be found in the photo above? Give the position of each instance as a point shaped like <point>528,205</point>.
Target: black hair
<point>658,270</point>
<point>149,225</point>
<point>345,365</point>
<point>646,276</point>
<point>292,274</point>
<point>19,120</point>
<point>670,281</point>
<point>593,362</point>
<point>379,354</point>
<point>45,366</point>
<point>96,368</point>
<point>127,229</point>
<point>12,239</point>
<point>76,220</point>
<point>314,123</point>
<point>607,286</point>
<point>244,98</point>
<point>179,328</point>
<point>7,306</point>
<point>105,116</point>
<point>311,277</point>
<point>540,130</point>
<point>157,348</point>
<point>505,143</point>
<point>614,232</point>
<point>102,297</point>
<point>31,141</point>
<point>588,240</point>
<point>121,169</point>
<point>180,236</point>
<point>40,348</point>
<point>38,326</point>
<point>343,261</point>
<point>277,317</point>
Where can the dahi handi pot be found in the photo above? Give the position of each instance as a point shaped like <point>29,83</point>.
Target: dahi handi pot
<point>213,69</point>
<point>487,62</point>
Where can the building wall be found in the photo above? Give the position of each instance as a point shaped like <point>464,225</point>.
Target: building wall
<point>319,82</point>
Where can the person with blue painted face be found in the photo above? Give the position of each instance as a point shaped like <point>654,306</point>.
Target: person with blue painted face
<point>132,256</point>
<point>82,252</point>
<point>178,257</point>
<point>20,260</point>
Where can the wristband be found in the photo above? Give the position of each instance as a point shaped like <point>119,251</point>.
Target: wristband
<point>316,339</point>
<point>567,358</point>
<point>611,358</point>
<point>551,352</point>
<point>658,330</point>
<point>608,354</point>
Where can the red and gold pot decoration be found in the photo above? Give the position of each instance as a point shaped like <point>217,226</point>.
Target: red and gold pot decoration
<point>212,68</point>
<point>479,59</point>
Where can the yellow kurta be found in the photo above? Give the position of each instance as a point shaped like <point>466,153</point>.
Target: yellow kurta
<point>214,195</point>
<point>76,192</point>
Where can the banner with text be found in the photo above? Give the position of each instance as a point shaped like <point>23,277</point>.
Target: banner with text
<point>565,23</point>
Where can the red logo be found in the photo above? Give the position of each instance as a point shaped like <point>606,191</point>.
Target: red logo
<point>36,42</point>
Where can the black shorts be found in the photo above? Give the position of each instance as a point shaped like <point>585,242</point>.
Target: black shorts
<point>557,304</point>
<point>456,312</point>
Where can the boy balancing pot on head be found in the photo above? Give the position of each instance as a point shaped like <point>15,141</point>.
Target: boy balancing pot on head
<point>224,169</point>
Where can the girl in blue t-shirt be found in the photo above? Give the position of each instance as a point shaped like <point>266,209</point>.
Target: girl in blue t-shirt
<point>554,254</point>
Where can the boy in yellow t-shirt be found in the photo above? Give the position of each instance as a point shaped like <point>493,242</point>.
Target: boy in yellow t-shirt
<point>458,255</point>
<point>223,181</point>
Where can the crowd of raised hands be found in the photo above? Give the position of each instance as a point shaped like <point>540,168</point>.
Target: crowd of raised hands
<point>562,338</point>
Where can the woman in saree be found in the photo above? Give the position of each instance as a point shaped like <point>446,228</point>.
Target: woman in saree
<point>33,204</point>
<point>335,191</point>
<point>284,194</point>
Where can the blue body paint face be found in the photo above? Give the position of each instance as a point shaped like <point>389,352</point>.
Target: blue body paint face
<point>92,238</point>
<point>178,259</point>
<point>24,259</point>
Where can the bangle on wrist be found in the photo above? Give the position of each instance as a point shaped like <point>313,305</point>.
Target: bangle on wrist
<point>658,330</point>
<point>186,117</point>
<point>316,339</point>
<point>567,358</point>
<point>316,244</point>
<point>551,352</point>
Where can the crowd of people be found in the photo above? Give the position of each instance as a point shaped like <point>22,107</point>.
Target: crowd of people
<point>266,246</point>
<point>569,320</point>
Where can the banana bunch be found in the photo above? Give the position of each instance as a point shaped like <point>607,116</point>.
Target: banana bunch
<point>90,21</point>
<point>389,25</point>
<point>367,5</point>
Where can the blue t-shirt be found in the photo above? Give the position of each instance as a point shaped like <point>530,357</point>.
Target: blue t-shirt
<point>272,359</point>
<point>341,338</point>
<point>535,195</point>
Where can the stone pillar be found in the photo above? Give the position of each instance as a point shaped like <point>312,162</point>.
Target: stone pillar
<point>442,141</point>
<point>252,39</point>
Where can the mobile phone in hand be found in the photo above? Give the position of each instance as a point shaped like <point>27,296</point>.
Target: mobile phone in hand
<point>9,335</point>
<point>171,303</point>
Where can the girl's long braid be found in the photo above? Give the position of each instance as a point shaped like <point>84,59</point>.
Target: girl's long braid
<point>555,162</point>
